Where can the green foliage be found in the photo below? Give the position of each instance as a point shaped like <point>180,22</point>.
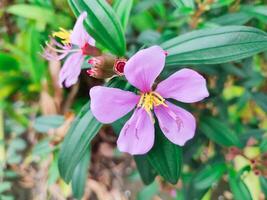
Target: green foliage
<point>44,123</point>
<point>219,132</point>
<point>78,138</point>
<point>79,177</point>
<point>226,42</point>
<point>217,45</point>
<point>166,158</point>
<point>102,23</point>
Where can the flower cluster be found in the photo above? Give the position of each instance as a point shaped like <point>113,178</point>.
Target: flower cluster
<point>141,70</point>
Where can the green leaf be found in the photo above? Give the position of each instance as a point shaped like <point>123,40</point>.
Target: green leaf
<point>4,186</point>
<point>263,183</point>
<point>102,23</point>
<point>258,12</point>
<point>218,132</point>
<point>79,177</point>
<point>8,62</point>
<point>42,148</point>
<point>123,9</point>
<point>82,131</point>
<point>165,157</point>
<point>45,123</point>
<point>184,3</point>
<point>37,13</point>
<point>209,175</point>
<point>263,145</point>
<point>145,169</point>
<point>148,192</point>
<point>261,100</point>
<point>238,187</point>
<point>239,18</point>
<point>213,46</point>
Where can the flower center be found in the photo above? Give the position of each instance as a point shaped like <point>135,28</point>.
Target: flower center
<point>150,99</point>
<point>63,34</point>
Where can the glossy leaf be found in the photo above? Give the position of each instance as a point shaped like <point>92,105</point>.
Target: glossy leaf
<point>209,175</point>
<point>102,23</point>
<point>79,177</point>
<point>218,132</point>
<point>82,131</point>
<point>123,9</point>
<point>145,169</point>
<point>212,46</point>
<point>166,157</point>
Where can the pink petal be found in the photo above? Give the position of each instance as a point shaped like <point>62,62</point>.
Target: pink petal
<point>110,104</point>
<point>71,70</point>
<point>186,85</point>
<point>142,69</point>
<point>138,134</point>
<point>79,36</point>
<point>177,124</point>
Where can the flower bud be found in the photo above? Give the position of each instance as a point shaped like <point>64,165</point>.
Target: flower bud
<point>119,66</point>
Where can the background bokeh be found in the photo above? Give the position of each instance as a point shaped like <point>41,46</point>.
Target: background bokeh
<point>35,113</point>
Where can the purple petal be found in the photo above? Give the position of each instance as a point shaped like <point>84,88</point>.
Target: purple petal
<point>142,69</point>
<point>71,70</point>
<point>177,124</point>
<point>186,85</point>
<point>138,134</point>
<point>79,36</point>
<point>110,104</point>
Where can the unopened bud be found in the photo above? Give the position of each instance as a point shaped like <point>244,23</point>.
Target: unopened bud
<point>99,73</point>
<point>90,50</point>
<point>105,61</point>
<point>119,66</point>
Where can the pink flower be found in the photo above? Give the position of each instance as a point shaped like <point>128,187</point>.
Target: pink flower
<point>75,46</point>
<point>141,70</point>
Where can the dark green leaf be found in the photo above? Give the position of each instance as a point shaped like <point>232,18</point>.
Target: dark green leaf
<point>102,23</point>
<point>7,62</point>
<point>218,132</point>
<point>209,175</point>
<point>82,131</point>
<point>166,157</point>
<point>145,169</point>
<point>79,177</point>
<point>212,46</point>
<point>261,100</point>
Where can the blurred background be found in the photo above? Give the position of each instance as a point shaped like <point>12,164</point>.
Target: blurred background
<point>35,113</point>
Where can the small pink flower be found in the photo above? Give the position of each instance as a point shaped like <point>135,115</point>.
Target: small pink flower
<point>141,70</point>
<point>76,45</point>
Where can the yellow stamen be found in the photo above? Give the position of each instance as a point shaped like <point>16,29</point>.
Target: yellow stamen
<point>149,100</point>
<point>63,34</point>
